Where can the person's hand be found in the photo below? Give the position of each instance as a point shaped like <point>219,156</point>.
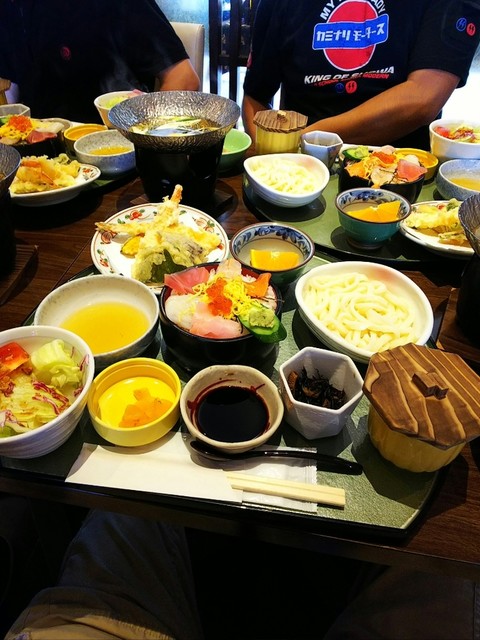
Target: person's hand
<point>4,84</point>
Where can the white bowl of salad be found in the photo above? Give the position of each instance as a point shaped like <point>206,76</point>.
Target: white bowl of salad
<point>108,100</point>
<point>453,138</point>
<point>45,375</point>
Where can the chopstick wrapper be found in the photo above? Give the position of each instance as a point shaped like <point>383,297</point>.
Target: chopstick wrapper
<point>166,467</point>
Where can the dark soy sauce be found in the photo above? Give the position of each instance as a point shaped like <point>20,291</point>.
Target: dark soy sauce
<point>232,414</point>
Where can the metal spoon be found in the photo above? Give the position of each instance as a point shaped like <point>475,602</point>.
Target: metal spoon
<point>324,462</point>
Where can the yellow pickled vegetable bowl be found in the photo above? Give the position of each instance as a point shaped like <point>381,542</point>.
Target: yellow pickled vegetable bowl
<point>135,402</point>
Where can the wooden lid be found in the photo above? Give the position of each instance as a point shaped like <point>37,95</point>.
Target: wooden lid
<point>280,121</point>
<point>425,393</point>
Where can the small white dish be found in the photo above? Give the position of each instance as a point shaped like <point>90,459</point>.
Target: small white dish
<point>322,145</point>
<point>340,370</point>
<point>277,167</point>
<point>230,438</point>
<point>106,247</point>
<point>87,175</point>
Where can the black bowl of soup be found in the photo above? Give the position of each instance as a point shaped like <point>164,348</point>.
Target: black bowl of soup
<point>178,138</point>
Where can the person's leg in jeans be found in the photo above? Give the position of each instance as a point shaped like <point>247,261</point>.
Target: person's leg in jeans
<point>123,569</point>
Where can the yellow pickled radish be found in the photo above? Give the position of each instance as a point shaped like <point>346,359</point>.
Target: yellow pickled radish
<point>273,260</point>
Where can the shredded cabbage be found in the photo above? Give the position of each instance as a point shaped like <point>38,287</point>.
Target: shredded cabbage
<point>31,399</point>
<point>54,365</point>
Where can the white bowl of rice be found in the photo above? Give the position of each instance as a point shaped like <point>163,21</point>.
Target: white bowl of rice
<point>287,179</point>
<point>361,308</point>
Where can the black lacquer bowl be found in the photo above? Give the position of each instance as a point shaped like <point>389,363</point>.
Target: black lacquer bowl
<point>194,352</point>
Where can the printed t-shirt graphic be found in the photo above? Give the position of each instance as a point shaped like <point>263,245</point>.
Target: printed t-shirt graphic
<point>350,35</point>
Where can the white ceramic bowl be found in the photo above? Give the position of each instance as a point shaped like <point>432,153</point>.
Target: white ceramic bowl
<point>94,148</point>
<point>454,169</point>
<point>77,294</point>
<point>322,145</point>
<point>106,101</point>
<point>402,287</point>
<point>277,168</point>
<point>340,370</point>
<point>51,435</point>
<point>16,109</point>
<point>244,377</point>
<point>446,149</point>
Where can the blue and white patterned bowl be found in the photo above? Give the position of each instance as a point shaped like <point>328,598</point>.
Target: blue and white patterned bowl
<point>369,235</point>
<point>280,234</point>
<point>453,170</point>
<point>86,149</point>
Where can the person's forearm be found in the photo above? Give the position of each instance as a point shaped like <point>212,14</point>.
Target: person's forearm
<point>395,112</point>
<point>250,106</point>
<point>179,77</point>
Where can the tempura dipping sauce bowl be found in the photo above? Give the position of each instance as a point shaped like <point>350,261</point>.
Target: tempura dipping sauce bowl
<point>232,408</point>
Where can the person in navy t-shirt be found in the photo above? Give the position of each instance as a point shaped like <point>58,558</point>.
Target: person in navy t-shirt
<point>62,54</point>
<point>373,71</point>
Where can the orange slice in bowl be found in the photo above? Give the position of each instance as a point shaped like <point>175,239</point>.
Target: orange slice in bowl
<point>384,212</point>
<point>273,260</point>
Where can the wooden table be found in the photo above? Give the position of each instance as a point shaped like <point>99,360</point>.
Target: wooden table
<point>444,539</point>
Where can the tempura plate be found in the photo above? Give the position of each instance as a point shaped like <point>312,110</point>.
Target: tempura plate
<point>431,242</point>
<point>88,174</point>
<point>106,246</point>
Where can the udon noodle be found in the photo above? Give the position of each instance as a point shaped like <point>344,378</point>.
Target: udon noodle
<point>175,126</point>
<point>360,310</point>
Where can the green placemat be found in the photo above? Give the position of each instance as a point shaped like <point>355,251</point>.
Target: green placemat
<point>384,499</point>
<point>320,220</point>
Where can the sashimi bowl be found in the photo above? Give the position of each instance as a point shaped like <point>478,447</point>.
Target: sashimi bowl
<point>360,308</point>
<point>200,311</point>
<point>382,168</point>
<point>54,368</point>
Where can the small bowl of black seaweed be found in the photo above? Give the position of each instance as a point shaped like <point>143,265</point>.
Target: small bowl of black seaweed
<point>320,389</point>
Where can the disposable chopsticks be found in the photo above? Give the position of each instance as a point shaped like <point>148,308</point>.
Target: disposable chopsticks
<point>321,494</point>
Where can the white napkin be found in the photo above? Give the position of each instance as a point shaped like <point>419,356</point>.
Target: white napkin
<point>167,467</point>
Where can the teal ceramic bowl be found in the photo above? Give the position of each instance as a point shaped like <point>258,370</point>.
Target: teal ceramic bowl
<point>234,150</point>
<point>273,237</point>
<point>364,234</point>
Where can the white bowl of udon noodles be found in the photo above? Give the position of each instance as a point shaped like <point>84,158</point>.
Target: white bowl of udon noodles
<point>361,308</point>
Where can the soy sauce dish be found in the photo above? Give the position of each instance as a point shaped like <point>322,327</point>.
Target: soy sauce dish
<point>231,407</point>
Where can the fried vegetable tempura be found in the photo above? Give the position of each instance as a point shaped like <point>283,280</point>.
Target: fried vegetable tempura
<point>164,244</point>
<point>441,220</point>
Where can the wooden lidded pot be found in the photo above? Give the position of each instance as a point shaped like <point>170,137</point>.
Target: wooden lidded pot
<point>425,406</point>
<point>278,131</point>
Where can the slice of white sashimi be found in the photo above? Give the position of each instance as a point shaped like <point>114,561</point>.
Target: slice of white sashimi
<point>181,309</point>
